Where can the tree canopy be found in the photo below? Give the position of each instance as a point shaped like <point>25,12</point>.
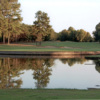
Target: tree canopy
<point>43,29</point>
<point>96,33</point>
<point>74,35</point>
<point>9,18</point>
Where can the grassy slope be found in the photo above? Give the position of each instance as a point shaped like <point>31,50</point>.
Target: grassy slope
<point>76,46</point>
<point>59,94</point>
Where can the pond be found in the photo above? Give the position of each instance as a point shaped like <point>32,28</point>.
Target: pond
<point>33,73</point>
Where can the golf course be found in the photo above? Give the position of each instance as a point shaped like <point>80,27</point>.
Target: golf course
<point>48,94</point>
<point>52,46</point>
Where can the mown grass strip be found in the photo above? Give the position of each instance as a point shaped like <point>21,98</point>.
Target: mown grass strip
<point>59,46</point>
<point>48,94</point>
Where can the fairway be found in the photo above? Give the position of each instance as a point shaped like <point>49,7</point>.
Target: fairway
<point>45,94</point>
<point>52,46</point>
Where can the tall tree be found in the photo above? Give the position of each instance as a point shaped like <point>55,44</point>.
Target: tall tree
<point>10,13</point>
<point>3,18</point>
<point>42,27</point>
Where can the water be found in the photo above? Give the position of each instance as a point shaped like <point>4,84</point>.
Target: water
<point>32,73</point>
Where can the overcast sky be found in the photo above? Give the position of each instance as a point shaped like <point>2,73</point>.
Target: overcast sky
<point>80,14</point>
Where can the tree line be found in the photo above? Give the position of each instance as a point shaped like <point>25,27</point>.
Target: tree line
<point>13,30</point>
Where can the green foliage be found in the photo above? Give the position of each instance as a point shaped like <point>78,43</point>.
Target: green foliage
<point>97,33</point>
<point>74,35</point>
<point>43,30</point>
<point>80,35</point>
<point>64,35</point>
<point>9,18</point>
<point>25,32</point>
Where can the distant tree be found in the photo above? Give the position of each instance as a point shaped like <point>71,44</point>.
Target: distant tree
<point>80,35</point>
<point>71,29</point>
<point>97,33</point>
<point>64,35</point>
<point>53,35</point>
<point>42,27</point>
<point>88,38</point>
<point>74,35</point>
<point>72,32</point>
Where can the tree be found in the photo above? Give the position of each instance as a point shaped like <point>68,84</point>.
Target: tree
<point>64,35</point>
<point>42,27</point>
<point>10,13</point>
<point>88,37</point>
<point>24,34</point>
<point>72,33</point>
<point>80,35</point>
<point>71,29</point>
<point>51,36</point>
<point>3,18</point>
<point>97,33</point>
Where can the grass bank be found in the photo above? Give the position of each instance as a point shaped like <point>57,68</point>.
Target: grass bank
<point>48,94</point>
<point>53,46</point>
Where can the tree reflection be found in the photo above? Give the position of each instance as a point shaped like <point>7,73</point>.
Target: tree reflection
<point>12,67</point>
<point>97,64</point>
<point>42,71</point>
<point>73,61</point>
<point>9,70</point>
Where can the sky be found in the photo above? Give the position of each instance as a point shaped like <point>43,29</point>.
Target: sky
<point>80,14</point>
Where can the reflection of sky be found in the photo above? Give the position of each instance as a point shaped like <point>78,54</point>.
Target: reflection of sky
<point>77,76</point>
<point>63,76</point>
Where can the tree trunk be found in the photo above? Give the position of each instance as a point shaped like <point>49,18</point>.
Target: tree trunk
<point>8,38</point>
<point>3,39</point>
<point>16,38</point>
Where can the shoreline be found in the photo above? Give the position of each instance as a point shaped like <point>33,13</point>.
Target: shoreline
<point>49,53</point>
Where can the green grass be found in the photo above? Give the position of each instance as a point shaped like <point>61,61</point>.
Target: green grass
<point>73,44</point>
<point>48,94</point>
<point>93,56</point>
<point>29,48</point>
<point>60,46</point>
